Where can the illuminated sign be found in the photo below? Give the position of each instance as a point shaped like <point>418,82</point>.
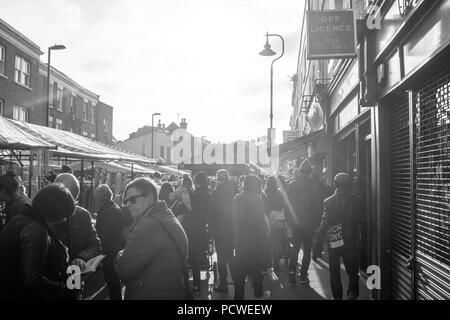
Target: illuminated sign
<point>331,34</point>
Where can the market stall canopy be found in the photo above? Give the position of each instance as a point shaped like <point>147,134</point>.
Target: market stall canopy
<point>75,146</point>
<point>170,171</point>
<point>112,166</point>
<point>294,149</point>
<point>13,137</point>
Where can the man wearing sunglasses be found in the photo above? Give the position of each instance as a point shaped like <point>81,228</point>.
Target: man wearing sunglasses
<point>152,263</point>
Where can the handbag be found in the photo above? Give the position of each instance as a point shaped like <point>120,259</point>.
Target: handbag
<point>187,290</point>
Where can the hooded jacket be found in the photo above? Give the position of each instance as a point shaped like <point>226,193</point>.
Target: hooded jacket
<point>150,265</point>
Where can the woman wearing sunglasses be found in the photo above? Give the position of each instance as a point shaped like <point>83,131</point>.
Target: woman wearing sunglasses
<point>152,264</point>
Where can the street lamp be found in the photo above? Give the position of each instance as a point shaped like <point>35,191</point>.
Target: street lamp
<point>153,128</point>
<point>55,47</point>
<point>267,52</point>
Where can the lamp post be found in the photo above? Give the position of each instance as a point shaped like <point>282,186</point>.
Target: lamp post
<point>55,47</point>
<point>153,128</point>
<point>267,52</point>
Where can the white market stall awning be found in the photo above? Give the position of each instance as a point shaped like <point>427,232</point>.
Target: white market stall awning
<point>72,145</point>
<point>115,167</point>
<point>14,137</point>
<point>170,171</point>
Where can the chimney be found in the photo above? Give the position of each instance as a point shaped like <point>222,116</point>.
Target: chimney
<point>183,124</point>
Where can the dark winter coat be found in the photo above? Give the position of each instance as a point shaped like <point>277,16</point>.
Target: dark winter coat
<point>79,235</point>
<point>304,204</point>
<point>275,200</point>
<point>221,210</point>
<point>110,224</point>
<point>195,220</point>
<point>347,209</point>
<point>251,230</point>
<point>16,206</point>
<point>150,264</point>
<point>33,264</point>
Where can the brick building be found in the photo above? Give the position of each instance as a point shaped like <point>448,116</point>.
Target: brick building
<point>19,76</point>
<point>23,91</point>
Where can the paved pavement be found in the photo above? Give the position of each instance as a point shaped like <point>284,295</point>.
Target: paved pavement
<point>277,287</point>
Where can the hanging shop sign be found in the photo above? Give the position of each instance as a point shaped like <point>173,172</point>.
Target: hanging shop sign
<point>331,34</point>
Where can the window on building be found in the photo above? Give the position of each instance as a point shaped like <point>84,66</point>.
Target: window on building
<point>93,114</point>
<point>20,113</point>
<point>168,154</point>
<point>50,121</point>
<point>93,136</point>
<point>72,130</point>
<point>59,99</point>
<point>59,124</point>
<point>85,134</point>
<point>105,125</point>
<point>2,59</point>
<point>22,71</point>
<point>2,103</point>
<point>162,152</point>
<point>72,104</point>
<point>85,106</point>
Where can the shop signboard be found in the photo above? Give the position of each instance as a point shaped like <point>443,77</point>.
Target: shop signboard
<point>331,34</point>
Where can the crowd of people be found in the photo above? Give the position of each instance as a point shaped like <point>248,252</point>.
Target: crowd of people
<point>161,226</point>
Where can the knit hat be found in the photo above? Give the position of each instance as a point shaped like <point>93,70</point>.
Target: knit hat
<point>305,168</point>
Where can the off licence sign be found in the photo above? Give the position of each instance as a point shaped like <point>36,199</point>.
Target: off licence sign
<point>331,34</point>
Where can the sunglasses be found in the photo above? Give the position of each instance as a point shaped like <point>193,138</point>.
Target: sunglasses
<point>133,199</point>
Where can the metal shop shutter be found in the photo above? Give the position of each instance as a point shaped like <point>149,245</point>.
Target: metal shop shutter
<point>401,201</point>
<point>432,186</point>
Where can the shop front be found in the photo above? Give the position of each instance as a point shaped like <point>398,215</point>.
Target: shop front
<point>413,144</point>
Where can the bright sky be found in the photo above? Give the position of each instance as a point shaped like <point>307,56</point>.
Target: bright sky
<point>195,58</point>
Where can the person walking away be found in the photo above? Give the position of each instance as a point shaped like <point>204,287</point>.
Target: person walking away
<point>167,194</point>
<point>15,202</point>
<point>221,213</point>
<point>77,233</point>
<point>195,223</point>
<point>277,222</point>
<point>33,260</point>
<point>250,238</point>
<point>110,224</point>
<point>152,262</point>
<point>301,208</point>
<point>343,218</point>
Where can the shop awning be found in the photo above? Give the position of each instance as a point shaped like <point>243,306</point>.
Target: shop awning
<point>293,150</point>
<point>74,146</point>
<point>14,137</point>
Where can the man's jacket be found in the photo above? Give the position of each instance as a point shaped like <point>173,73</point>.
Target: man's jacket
<point>346,209</point>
